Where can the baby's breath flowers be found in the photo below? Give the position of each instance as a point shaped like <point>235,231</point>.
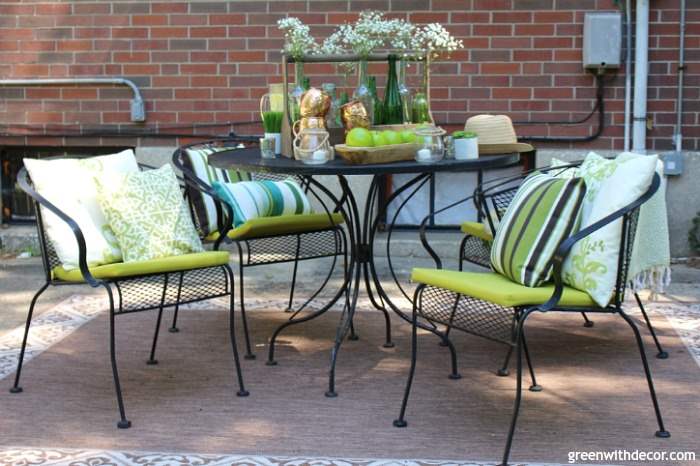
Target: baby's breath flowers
<point>298,40</point>
<point>434,40</point>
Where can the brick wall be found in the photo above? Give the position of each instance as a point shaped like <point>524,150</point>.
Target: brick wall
<point>209,62</point>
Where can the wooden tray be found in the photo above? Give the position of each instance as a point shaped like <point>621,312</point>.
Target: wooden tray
<point>384,154</point>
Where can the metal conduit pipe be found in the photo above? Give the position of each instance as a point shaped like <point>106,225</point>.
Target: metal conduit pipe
<point>678,137</point>
<point>641,71</point>
<point>138,109</point>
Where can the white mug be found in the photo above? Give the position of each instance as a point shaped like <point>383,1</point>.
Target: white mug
<point>466,148</point>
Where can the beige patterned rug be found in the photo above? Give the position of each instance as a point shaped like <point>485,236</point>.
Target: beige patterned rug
<point>594,391</point>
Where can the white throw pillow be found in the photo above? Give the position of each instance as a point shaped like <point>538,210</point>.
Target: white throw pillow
<point>69,184</point>
<point>611,184</point>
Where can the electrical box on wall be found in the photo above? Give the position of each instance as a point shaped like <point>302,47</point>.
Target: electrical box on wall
<point>602,40</point>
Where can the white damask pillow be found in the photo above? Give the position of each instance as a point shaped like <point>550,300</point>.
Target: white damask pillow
<point>69,184</point>
<point>611,184</point>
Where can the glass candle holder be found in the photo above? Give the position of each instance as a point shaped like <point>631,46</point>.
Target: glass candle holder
<point>432,146</point>
<point>267,147</point>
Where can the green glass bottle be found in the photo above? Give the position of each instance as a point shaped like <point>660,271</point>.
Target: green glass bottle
<point>421,108</point>
<point>376,103</point>
<point>393,113</point>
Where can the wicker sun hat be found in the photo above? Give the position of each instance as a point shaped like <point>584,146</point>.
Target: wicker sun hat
<point>496,134</point>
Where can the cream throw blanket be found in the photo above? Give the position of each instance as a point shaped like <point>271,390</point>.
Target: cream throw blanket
<point>650,264</point>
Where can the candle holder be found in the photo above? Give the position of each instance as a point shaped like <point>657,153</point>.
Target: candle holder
<point>312,146</point>
<point>432,147</point>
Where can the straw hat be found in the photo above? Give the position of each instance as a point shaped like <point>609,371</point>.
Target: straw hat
<point>496,134</point>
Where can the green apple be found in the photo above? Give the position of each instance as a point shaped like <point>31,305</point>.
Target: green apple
<point>378,139</point>
<point>359,137</point>
<point>408,136</point>
<point>392,137</point>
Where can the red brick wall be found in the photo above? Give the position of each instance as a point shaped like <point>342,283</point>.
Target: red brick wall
<point>209,62</point>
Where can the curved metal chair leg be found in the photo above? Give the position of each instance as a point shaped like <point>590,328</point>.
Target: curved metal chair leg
<point>236,359</point>
<point>294,278</point>
<point>661,353</point>
<point>519,385</point>
<point>503,371</point>
<point>16,388</point>
<point>123,423</point>
<point>401,421</point>
<point>173,327</point>
<point>152,359</point>
<point>248,351</point>
<point>534,387</point>
<point>588,323</point>
<point>662,432</point>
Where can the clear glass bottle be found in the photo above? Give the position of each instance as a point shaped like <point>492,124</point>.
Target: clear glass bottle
<point>362,93</point>
<point>333,116</point>
<point>405,93</point>
<point>297,91</point>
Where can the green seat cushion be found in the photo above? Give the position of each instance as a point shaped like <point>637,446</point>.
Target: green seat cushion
<point>198,260</point>
<point>497,289</point>
<point>282,225</point>
<point>478,229</point>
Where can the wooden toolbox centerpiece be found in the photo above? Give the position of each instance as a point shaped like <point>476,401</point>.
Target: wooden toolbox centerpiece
<point>382,154</point>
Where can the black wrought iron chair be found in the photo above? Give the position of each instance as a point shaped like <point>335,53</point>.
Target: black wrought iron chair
<point>269,240</point>
<point>497,309</point>
<point>137,286</point>
<point>491,200</point>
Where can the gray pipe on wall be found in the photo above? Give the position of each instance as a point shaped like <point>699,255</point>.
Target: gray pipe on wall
<point>138,109</point>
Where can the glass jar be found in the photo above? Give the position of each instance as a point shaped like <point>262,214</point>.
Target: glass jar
<point>312,146</point>
<point>363,92</point>
<point>432,147</point>
<point>333,116</point>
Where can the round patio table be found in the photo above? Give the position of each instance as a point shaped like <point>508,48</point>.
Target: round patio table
<point>361,229</point>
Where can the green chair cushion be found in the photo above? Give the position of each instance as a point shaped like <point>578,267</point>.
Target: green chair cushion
<point>198,260</point>
<point>495,288</point>
<point>282,225</point>
<point>478,229</point>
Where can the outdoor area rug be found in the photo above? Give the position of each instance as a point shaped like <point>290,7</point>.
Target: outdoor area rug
<point>595,396</point>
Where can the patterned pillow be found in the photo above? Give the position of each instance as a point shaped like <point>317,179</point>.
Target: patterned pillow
<point>69,185</point>
<point>253,199</point>
<point>148,215</point>
<point>197,161</point>
<point>591,265</point>
<point>541,215</point>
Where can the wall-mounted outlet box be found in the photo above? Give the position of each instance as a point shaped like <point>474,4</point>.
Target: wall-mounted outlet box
<point>673,163</point>
<point>602,40</point>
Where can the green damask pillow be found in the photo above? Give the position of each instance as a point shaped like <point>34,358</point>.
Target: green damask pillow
<point>148,215</point>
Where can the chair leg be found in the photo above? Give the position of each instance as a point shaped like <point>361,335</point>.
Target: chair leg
<point>248,351</point>
<point>661,354</point>
<point>503,371</point>
<point>294,280</point>
<point>236,359</point>
<point>518,387</point>
<point>152,359</point>
<point>173,328</point>
<point>16,388</point>
<point>534,387</point>
<point>662,432</point>
<point>401,421</point>
<point>587,323</point>
<point>123,423</point>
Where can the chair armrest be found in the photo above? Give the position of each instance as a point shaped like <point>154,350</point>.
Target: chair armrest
<point>566,245</point>
<point>422,230</point>
<point>23,181</point>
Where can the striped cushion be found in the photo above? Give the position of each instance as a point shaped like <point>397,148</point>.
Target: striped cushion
<point>542,214</point>
<point>197,161</point>
<point>254,199</point>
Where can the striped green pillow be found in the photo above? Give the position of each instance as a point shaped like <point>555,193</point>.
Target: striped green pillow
<point>253,199</point>
<point>197,161</point>
<point>542,214</point>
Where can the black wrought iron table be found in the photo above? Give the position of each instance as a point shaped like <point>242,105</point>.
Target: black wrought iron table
<point>361,229</point>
